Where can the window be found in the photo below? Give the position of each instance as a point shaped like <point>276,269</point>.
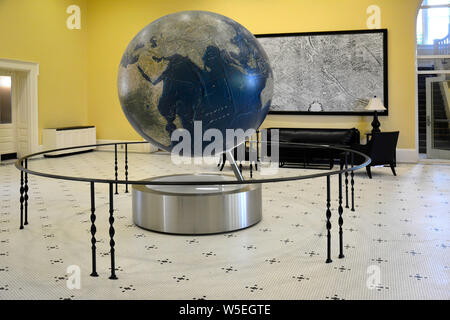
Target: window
<point>433,21</point>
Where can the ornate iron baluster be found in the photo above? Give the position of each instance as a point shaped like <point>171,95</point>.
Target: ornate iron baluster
<point>93,231</point>
<point>26,193</point>
<point>352,182</point>
<point>21,197</point>
<point>116,167</point>
<point>340,220</point>
<point>257,150</point>
<point>126,167</point>
<point>111,232</point>
<point>328,215</point>
<point>346,180</point>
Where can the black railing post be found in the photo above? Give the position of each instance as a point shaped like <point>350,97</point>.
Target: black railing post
<point>26,193</point>
<point>346,180</point>
<point>340,220</point>
<point>126,167</point>
<point>328,215</point>
<point>257,150</point>
<point>21,197</point>
<point>111,232</point>
<point>116,167</point>
<point>352,182</point>
<point>93,231</point>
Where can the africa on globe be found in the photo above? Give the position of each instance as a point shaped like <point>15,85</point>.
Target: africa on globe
<point>194,67</point>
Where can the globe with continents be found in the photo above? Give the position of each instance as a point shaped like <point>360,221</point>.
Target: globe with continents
<point>194,67</point>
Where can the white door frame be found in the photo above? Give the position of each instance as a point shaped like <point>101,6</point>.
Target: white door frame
<point>29,99</point>
<point>416,93</point>
<point>432,152</point>
<point>417,57</point>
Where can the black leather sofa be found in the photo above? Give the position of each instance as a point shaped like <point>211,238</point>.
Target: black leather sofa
<point>319,158</point>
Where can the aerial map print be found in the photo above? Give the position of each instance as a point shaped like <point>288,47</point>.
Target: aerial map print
<point>325,73</point>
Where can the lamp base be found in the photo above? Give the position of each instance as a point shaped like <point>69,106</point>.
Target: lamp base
<point>375,123</point>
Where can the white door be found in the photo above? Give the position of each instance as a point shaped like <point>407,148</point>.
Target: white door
<point>8,143</point>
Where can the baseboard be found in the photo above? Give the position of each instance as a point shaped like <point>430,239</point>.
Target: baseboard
<point>407,156</point>
<point>138,148</point>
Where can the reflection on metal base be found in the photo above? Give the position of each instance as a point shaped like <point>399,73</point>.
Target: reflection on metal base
<point>196,209</point>
<point>234,166</point>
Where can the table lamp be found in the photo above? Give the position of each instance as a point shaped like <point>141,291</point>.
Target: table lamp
<point>375,105</point>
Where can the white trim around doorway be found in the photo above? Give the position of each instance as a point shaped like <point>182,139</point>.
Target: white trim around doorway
<point>29,101</point>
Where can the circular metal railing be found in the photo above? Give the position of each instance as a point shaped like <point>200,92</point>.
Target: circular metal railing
<point>345,169</point>
<point>20,165</point>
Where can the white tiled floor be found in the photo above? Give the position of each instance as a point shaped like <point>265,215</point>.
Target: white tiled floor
<point>400,228</point>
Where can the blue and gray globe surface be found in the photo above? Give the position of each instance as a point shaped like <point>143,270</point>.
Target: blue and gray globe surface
<point>194,66</point>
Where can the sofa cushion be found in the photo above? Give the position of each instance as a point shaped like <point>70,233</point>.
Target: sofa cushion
<point>319,136</point>
<point>291,153</point>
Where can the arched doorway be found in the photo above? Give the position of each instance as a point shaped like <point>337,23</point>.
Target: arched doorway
<point>433,63</point>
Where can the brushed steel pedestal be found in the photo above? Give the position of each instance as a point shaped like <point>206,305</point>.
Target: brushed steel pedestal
<point>196,209</point>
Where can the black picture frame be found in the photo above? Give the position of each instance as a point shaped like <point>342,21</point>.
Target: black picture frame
<point>385,90</point>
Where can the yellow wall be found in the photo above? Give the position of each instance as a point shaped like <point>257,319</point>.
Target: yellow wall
<point>78,68</point>
<point>35,30</point>
<point>113,23</point>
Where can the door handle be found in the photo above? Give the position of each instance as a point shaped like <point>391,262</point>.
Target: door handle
<point>428,121</point>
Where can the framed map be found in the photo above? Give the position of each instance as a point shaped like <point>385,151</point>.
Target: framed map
<point>330,73</point>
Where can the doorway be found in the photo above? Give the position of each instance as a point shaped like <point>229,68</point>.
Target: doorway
<point>18,108</point>
<point>433,71</point>
<point>438,117</point>
<point>8,131</point>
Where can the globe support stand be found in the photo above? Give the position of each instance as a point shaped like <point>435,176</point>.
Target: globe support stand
<point>234,166</point>
<point>196,209</point>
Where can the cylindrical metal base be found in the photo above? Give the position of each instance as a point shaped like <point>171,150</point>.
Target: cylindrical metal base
<point>196,209</point>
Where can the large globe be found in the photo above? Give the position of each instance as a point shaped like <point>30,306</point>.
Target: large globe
<point>194,66</point>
